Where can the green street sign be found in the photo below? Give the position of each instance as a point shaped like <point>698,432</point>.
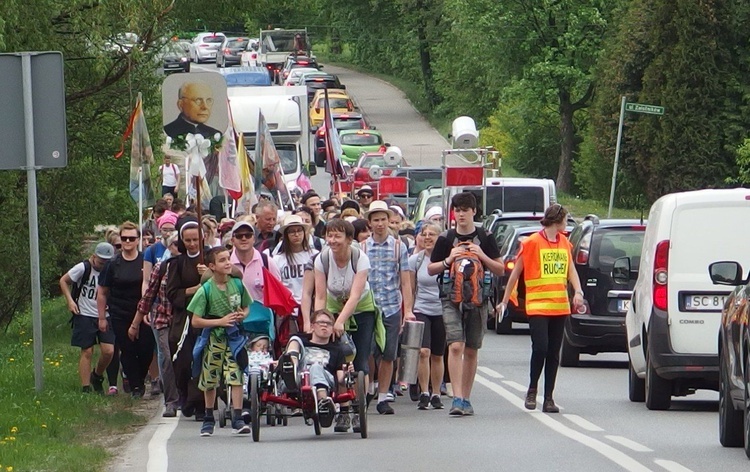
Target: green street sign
<point>642,108</point>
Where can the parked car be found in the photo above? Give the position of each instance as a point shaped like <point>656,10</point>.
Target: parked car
<point>597,244</point>
<point>356,141</point>
<point>296,74</point>
<point>341,121</point>
<point>204,47</point>
<point>734,361</point>
<point>230,51</point>
<point>174,58</point>
<point>295,62</point>
<point>338,101</point>
<point>247,77</point>
<point>673,319</point>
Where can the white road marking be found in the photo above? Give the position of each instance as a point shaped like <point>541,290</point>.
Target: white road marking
<point>157,448</point>
<point>609,452</point>
<point>490,373</point>
<point>515,385</point>
<point>583,423</point>
<point>671,466</point>
<point>630,444</point>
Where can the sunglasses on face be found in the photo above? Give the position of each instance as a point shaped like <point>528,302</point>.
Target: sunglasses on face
<point>324,323</point>
<point>243,235</point>
<point>128,239</point>
<point>365,195</point>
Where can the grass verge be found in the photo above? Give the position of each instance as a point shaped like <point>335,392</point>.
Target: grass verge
<point>579,207</point>
<point>59,428</point>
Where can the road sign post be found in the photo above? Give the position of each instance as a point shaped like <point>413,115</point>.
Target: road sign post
<point>634,108</point>
<point>44,145</point>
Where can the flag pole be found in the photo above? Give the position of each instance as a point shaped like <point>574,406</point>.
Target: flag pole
<point>197,183</point>
<point>140,204</point>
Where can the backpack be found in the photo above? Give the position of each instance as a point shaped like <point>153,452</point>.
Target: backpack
<point>469,281</point>
<point>325,259</point>
<point>77,287</point>
<point>420,260</point>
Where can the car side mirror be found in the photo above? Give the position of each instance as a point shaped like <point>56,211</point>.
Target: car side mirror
<point>314,129</point>
<point>373,128</point>
<point>320,66</point>
<point>342,87</point>
<point>726,273</point>
<point>317,109</point>
<point>312,169</point>
<point>621,271</point>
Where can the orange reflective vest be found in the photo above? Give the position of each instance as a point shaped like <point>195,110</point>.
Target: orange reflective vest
<point>545,272</point>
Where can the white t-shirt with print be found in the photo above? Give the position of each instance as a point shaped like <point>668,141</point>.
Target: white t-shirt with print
<point>291,274</point>
<point>340,280</point>
<point>87,299</point>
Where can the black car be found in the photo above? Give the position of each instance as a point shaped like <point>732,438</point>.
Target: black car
<point>230,51</point>
<point>734,361</point>
<point>175,57</point>
<point>319,82</point>
<point>597,244</point>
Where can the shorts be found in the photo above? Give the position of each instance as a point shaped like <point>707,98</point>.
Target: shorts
<point>218,359</point>
<point>467,327</point>
<point>434,334</point>
<point>86,332</point>
<point>392,334</point>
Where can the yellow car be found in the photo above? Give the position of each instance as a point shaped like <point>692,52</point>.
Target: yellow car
<point>338,100</point>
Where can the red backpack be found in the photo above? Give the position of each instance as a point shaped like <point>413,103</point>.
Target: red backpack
<point>467,274</point>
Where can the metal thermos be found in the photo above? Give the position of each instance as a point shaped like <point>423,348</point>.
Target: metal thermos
<point>411,343</point>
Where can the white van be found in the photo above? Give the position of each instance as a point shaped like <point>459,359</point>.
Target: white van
<point>673,321</point>
<point>511,195</point>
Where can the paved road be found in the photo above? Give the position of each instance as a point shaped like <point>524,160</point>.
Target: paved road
<point>598,429</point>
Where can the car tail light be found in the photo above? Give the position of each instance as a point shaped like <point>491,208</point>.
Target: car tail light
<point>661,260</point>
<point>203,46</point>
<point>582,258</point>
<point>639,227</point>
<point>302,63</point>
<point>227,51</point>
<point>321,132</point>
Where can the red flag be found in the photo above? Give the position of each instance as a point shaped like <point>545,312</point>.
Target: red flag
<point>276,296</point>
<point>459,176</point>
<point>333,145</point>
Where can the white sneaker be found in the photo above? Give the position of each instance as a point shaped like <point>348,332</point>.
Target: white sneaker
<point>389,397</point>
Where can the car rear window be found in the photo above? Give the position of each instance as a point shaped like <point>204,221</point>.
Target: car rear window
<point>348,123</point>
<point>611,244</point>
<point>213,39</point>
<point>239,79</point>
<point>365,139</point>
<point>237,43</point>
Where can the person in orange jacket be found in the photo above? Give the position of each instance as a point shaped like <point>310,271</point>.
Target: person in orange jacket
<point>546,263</point>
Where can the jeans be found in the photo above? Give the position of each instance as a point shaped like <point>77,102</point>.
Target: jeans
<point>166,370</point>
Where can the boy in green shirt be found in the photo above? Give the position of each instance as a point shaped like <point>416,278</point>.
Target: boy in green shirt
<point>219,306</point>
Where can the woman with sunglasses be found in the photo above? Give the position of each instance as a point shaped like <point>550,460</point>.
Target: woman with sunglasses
<point>306,213</point>
<point>546,263</point>
<point>119,292</point>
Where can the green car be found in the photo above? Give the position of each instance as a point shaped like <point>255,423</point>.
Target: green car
<point>356,141</point>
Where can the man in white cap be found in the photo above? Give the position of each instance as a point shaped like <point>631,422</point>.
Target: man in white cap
<point>364,197</point>
<point>249,260</point>
<point>83,277</point>
<point>391,284</point>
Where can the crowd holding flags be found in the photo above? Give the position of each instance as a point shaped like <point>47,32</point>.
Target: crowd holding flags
<point>333,148</point>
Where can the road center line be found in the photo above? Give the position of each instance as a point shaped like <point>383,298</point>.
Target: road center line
<point>515,385</point>
<point>609,452</point>
<point>671,466</point>
<point>157,447</point>
<point>583,423</point>
<point>490,373</point>
<point>630,444</point>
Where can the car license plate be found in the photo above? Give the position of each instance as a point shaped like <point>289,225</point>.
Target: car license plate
<point>623,305</point>
<point>704,302</point>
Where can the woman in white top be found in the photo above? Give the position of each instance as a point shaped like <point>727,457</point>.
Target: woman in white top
<point>292,253</point>
<point>427,309</point>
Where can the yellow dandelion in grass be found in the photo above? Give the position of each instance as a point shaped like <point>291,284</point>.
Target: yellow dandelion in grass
<point>57,364</point>
<point>47,359</point>
<point>44,425</point>
<point>9,468</point>
<point>14,429</point>
<point>60,356</point>
<point>11,359</point>
<point>38,402</point>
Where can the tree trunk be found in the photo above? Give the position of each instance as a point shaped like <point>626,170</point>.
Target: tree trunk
<point>567,142</point>
<point>424,57</point>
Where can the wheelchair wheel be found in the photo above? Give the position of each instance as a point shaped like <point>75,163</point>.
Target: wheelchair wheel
<point>222,412</point>
<point>362,404</point>
<point>255,405</point>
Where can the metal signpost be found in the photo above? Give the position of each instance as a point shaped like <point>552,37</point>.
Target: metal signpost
<point>634,108</point>
<point>33,80</point>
